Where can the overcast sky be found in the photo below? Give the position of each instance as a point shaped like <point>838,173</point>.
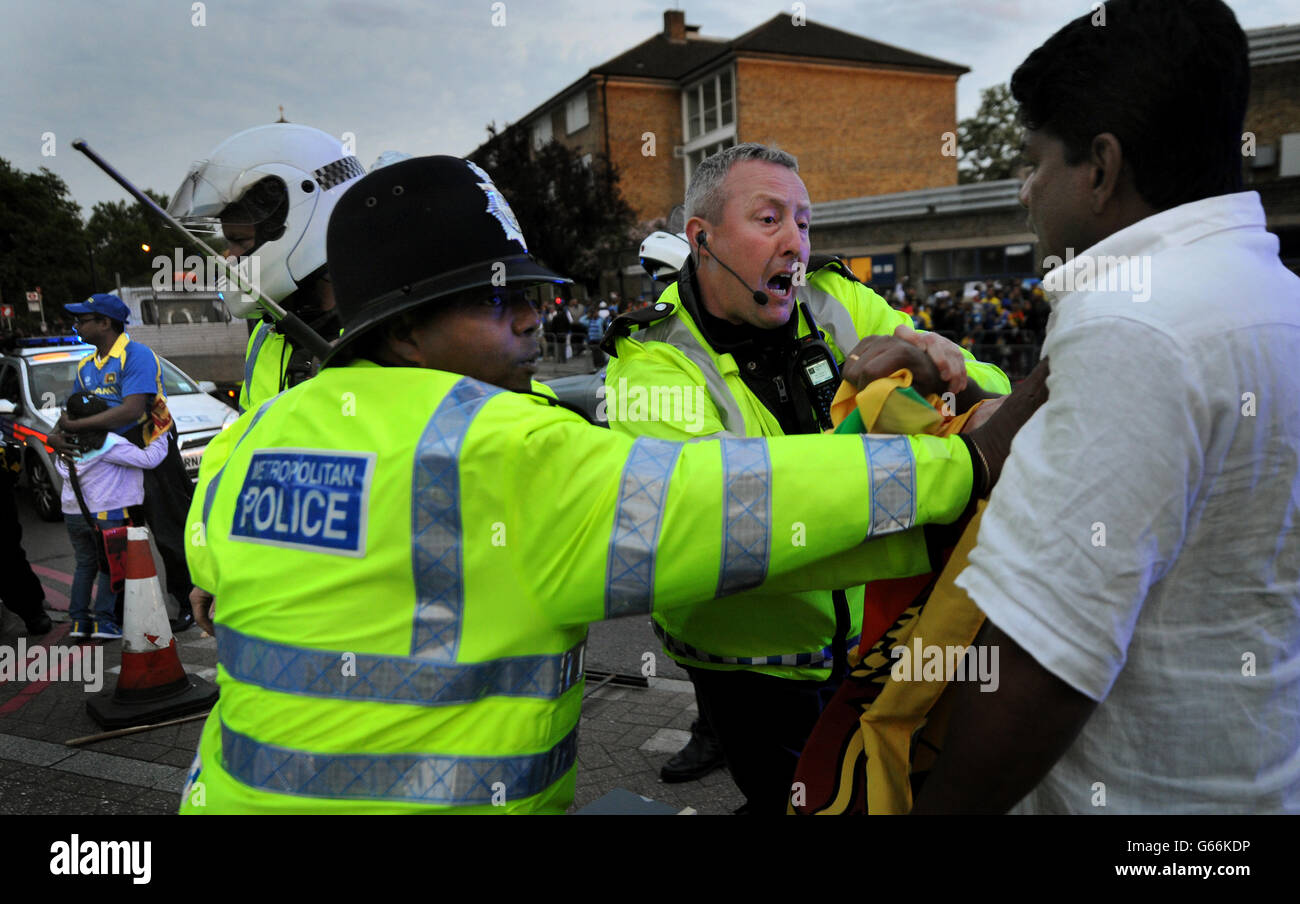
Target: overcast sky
<point>152,91</point>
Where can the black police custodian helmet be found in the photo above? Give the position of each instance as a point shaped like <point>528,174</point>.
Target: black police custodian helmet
<point>418,230</point>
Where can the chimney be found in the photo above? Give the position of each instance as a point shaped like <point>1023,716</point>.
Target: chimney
<point>675,25</point>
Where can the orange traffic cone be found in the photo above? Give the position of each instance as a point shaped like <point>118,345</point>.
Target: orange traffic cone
<point>152,685</point>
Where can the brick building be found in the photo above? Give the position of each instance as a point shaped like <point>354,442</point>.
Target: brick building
<point>857,108</point>
<point>945,237</point>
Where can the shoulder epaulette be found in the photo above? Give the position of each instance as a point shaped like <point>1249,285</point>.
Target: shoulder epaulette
<point>624,324</point>
<point>831,262</point>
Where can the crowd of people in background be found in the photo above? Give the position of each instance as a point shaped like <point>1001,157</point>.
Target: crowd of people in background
<point>572,326</point>
<point>1002,322</point>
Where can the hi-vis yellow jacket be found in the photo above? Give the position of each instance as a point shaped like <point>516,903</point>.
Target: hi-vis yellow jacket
<point>668,382</point>
<point>265,361</point>
<point>405,563</point>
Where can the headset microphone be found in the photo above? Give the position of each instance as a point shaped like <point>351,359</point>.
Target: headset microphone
<point>703,238</point>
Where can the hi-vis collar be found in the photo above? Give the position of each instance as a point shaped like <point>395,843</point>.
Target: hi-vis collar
<point>626,324</point>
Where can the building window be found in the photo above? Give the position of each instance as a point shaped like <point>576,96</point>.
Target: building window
<point>970,263</point>
<point>1020,260</point>
<point>709,114</point>
<point>710,106</point>
<point>696,157</point>
<point>542,132</point>
<point>992,261</point>
<point>575,113</point>
<point>937,265</point>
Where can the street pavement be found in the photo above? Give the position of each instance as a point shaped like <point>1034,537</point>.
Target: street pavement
<point>626,733</point>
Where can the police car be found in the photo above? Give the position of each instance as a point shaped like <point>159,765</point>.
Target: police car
<point>36,377</point>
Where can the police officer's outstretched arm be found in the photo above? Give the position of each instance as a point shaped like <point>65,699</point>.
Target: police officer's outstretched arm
<point>988,440</point>
<point>631,525</point>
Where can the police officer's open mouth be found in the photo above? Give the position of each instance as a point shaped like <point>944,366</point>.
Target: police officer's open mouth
<point>780,284</point>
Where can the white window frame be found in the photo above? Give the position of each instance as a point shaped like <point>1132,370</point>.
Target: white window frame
<point>722,131</point>
<point>542,132</point>
<point>574,108</point>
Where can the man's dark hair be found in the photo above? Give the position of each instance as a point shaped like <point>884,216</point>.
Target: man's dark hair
<point>1168,78</point>
<point>117,325</point>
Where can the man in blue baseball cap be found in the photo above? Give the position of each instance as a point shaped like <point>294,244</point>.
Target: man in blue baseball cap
<point>128,376</point>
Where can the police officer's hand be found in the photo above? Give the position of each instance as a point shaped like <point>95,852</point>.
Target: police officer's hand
<point>879,356</point>
<point>945,354</point>
<point>991,440</point>
<point>201,603</point>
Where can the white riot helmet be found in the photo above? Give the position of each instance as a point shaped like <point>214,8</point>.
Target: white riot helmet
<point>388,158</point>
<point>662,254</point>
<point>272,189</point>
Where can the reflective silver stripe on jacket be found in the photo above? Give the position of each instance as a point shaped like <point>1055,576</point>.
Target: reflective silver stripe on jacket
<point>634,541</point>
<point>831,316</point>
<point>747,514</point>
<point>437,557</point>
<point>677,334</point>
<point>210,493</point>
<point>250,363</point>
<point>893,483</point>
<point>449,780</point>
<point>393,679</point>
<point>815,659</point>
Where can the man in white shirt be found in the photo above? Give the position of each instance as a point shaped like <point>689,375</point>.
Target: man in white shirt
<point>1139,563</point>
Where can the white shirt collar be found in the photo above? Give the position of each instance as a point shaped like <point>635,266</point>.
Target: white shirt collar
<point>1170,228</point>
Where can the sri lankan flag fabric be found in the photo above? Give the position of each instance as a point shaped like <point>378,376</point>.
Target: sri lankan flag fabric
<point>882,730</point>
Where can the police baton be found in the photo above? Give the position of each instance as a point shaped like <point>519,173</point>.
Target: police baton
<point>290,324</point>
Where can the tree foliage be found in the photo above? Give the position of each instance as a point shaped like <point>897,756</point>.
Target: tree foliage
<point>40,242</point>
<point>990,140</point>
<point>117,230</point>
<point>573,215</point>
<point>44,243</point>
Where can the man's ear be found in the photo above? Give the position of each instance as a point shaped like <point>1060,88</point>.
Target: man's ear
<point>1106,157</point>
<point>694,226</point>
<point>400,345</point>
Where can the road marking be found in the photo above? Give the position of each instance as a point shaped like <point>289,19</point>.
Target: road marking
<point>61,576</point>
<point>666,740</point>
<point>27,694</point>
<point>56,599</point>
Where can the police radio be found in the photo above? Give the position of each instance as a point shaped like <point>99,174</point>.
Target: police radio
<point>817,370</point>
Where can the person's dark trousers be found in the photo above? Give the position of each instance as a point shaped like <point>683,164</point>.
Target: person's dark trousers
<point>762,724</point>
<point>167,494</point>
<point>20,589</point>
<point>699,756</point>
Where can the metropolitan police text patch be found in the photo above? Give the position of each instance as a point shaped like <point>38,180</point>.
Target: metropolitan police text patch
<point>306,499</point>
